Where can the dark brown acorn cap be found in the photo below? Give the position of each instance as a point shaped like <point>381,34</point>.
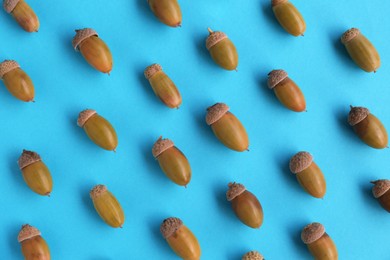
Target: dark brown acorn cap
<point>215,112</point>
<point>6,66</point>
<point>151,70</point>
<point>214,38</point>
<point>235,189</point>
<point>97,191</point>
<point>9,5</point>
<point>81,35</point>
<point>170,226</point>
<point>160,146</point>
<point>300,162</point>
<point>357,114</point>
<point>275,77</point>
<point>380,187</point>
<point>84,116</point>
<point>312,232</point>
<point>276,2</point>
<point>28,232</point>
<point>27,158</point>
<point>252,255</point>
<point>349,35</point>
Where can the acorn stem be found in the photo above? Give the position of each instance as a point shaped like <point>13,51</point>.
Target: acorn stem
<point>210,31</point>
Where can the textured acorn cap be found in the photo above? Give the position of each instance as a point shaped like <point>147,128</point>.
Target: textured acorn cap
<point>300,162</point>
<point>214,38</point>
<point>151,70</point>
<point>252,255</point>
<point>27,158</point>
<point>215,112</point>
<point>312,232</point>
<point>9,5</point>
<point>277,2</point>
<point>6,66</point>
<point>97,191</point>
<point>275,77</point>
<point>28,232</point>
<point>235,189</point>
<point>380,187</point>
<point>349,35</point>
<point>160,146</point>
<point>84,116</point>
<point>357,114</point>
<point>81,35</point>
<point>170,226</point>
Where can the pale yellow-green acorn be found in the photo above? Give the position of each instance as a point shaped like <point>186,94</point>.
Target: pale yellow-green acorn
<point>252,255</point>
<point>23,14</point>
<point>34,247</point>
<point>320,245</point>
<point>289,17</point>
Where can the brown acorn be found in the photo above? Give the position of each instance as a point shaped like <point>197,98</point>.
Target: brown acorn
<point>368,127</point>
<point>222,50</point>
<point>33,245</point>
<point>286,90</point>
<point>17,81</point>
<point>167,11</point>
<point>289,17</point>
<point>245,205</point>
<point>182,241</point>
<point>309,175</point>
<point>35,173</point>
<point>227,128</point>
<point>252,255</point>
<point>94,50</point>
<point>172,161</point>
<point>23,14</point>
<point>320,245</point>
<point>163,86</point>
<point>381,191</point>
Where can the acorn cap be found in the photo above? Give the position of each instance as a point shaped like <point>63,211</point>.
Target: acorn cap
<point>215,112</point>
<point>84,116</point>
<point>357,114</point>
<point>151,70</point>
<point>28,232</point>
<point>276,2</point>
<point>6,66</point>
<point>312,232</point>
<point>380,187</point>
<point>169,226</point>
<point>214,38</point>
<point>349,35</point>
<point>252,255</point>
<point>160,146</point>
<point>235,189</point>
<point>300,162</point>
<point>97,191</point>
<point>275,77</point>
<point>27,158</point>
<point>81,35</point>
<point>9,5</point>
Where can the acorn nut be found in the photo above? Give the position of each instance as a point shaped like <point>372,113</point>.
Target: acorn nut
<point>361,50</point>
<point>245,205</point>
<point>309,175</point>
<point>17,81</point>
<point>98,129</point>
<point>35,173</point>
<point>107,206</point>
<point>222,50</point>
<point>252,255</point>
<point>23,14</point>
<point>381,192</point>
<point>163,86</point>
<point>182,241</point>
<point>167,11</point>
<point>94,50</point>
<point>227,128</point>
<point>33,245</point>
<point>369,129</point>
<point>320,245</point>
<point>172,161</point>
<point>286,90</point>
<point>289,17</point>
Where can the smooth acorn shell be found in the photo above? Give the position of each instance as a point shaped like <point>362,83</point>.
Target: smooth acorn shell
<point>35,248</point>
<point>175,166</point>
<point>184,243</point>
<point>109,209</point>
<point>290,95</point>
<point>323,248</point>
<point>289,18</point>
<point>384,200</point>
<point>37,176</point>
<point>101,132</point>
<point>19,84</point>
<point>312,180</point>
<point>248,209</point>
<point>371,131</point>
<point>167,11</point>
<point>165,89</point>
<point>96,53</point>
<point>25,17</point>
<point>224,53</point>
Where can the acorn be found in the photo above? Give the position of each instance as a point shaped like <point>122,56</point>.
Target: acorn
<point>361,50</point>
<point>222,50</point>
<point>245,205</point>
<point>289,17</point>
<point>23,14</point>
<point>227,128</point>
<point>172,161</point>
<point>167,11</point>
<point>163,86</point>
<point>309,175</point>
<point>182,241</point>
<point>17,81</point>
<point>252,255</point>
<point>35,173</point>
<point>320,245</point>
<point>381,192</point>
<point>107,206</point>
<point>33,245</point>
<point>94,50</point>
<point>288,93</point>
<point>369,128</point>
<point>98,129</point>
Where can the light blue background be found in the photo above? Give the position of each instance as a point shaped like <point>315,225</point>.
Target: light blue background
<point>66,84</point>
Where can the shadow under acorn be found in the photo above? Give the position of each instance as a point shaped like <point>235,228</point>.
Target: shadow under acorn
<point>262,81</point>
<point>154,223</point>
<point>282,159</point>
<point>202,51</point>
<point>87,201</point>
<point>12,232</point>
<point>266,7</point>
<point>335,39</point>
<point>15,172</point>
<point>368,197</point>
<point>341,115</point>
<point>294,229</point>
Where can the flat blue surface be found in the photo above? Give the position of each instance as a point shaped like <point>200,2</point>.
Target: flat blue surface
<point>65,84</point>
